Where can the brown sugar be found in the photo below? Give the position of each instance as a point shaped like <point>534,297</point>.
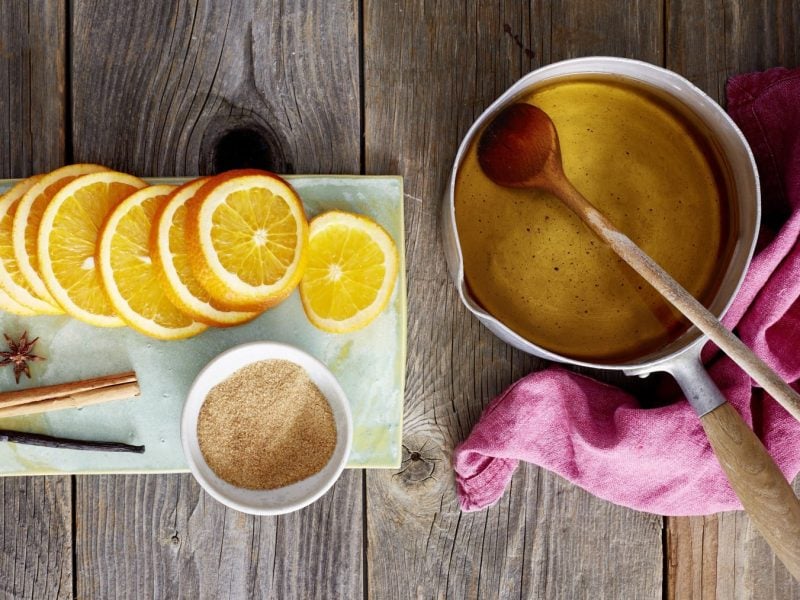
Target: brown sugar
<point>266,426</point>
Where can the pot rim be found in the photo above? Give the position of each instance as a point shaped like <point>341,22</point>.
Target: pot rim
<point>691,340</point>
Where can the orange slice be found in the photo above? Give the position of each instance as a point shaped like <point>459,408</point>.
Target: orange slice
<point>8,304</point>
<point>247,233</point>
<point>17,295</point>
<point>25,229</point>
<point>67,242</point>
<point>171,260</point>
<point>351,272</point>
<point>130,278</point>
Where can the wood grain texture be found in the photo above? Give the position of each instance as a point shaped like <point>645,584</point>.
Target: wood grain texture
<point>187,88</point>
<point>691,541</point>
<point>605,29</point>
<point>284,77</point>
<point>723,556</point>
<point>36,534</point>
<point>430,69</point>
<point>36,537</point>
<point>144,536</point>
<point>32,87</point>
<point>709,41</point>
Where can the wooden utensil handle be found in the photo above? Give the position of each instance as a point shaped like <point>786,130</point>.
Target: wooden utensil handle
<point>765,494</point>
<point>682,300</point>
<point>709,325</point>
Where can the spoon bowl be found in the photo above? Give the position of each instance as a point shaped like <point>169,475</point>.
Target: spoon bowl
<point>520,148</point>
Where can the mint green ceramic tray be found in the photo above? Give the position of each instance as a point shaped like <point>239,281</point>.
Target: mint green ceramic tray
<point>370,364</point>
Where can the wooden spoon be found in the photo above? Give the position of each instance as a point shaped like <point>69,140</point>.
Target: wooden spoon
<point>520,149</point>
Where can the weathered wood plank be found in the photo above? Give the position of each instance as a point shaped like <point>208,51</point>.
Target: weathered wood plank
<point>166,97</point>
<point>190,88</point>
<point>36,534</point>
<point>32,87</point>
<point>722,556</point>
<point>605,29</point>
<point>687,543</point>
<point>36,537</point>
<point>147,536</point>
<point>707,42</point>
<point>430,69</point>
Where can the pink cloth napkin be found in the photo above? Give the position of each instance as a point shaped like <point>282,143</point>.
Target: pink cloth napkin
<point>658,460</point>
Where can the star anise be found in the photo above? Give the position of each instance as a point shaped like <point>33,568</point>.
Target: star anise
<point>19,354</point>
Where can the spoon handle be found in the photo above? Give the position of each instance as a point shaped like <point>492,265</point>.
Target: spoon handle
<point>764,492</point>
<point>681,299</point>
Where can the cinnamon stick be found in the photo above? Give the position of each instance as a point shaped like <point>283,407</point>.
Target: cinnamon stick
<point>64,389</point>
<point>74,394</point>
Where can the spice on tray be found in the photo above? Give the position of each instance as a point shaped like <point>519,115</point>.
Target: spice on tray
<point>19,354</point>
<point>266,426</point>
<point>49,441</point>
<point>74,394</point>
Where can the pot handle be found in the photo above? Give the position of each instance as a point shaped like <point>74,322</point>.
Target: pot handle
<point>763,490</point>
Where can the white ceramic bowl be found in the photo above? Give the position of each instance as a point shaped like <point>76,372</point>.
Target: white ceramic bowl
<point>291,497</point>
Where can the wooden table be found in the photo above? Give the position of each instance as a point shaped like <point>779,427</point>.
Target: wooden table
<point>344,86</point>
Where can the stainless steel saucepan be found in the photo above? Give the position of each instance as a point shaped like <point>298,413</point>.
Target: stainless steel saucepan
<point>757,481</point>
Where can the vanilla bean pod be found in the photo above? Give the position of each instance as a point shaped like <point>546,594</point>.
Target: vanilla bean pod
<point>37,439</point>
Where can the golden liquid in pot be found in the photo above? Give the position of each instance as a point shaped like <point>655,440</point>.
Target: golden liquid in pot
<point>653,169</point>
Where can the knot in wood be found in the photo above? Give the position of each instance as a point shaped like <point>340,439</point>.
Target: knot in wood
<point>241,149</point>
<point>419,466</point>
<point>241,142</point>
